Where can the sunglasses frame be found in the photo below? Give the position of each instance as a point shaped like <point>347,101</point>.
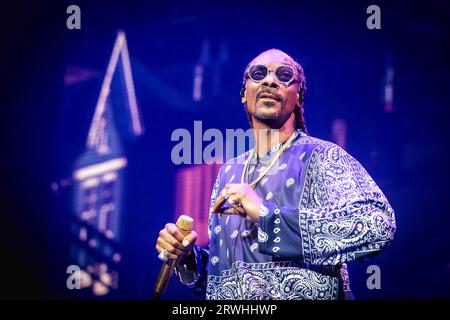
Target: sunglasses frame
<point>274,71</point>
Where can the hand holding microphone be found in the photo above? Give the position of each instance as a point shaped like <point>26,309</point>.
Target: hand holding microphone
<point>175,242</point>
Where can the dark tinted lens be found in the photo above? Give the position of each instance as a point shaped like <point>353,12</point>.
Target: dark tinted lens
<point>284,73</point>
<point>258,72</point>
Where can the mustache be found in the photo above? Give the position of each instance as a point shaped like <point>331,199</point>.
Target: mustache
<point>269,93</point>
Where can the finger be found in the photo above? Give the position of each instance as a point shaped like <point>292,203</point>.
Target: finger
<point>232,211</point>
<point>171,256</point>
<point>231,185</point>
<point>240,210</point>
<point>222,209</point>
<point>167,237</point>
<point>172,229</point>
<point>189,239</point>
<point>164,245</point>
<point>229,210</point>
<point>224,193</point>
<point>170,248</point>
<point>232,204</point>
<point>236,191</point>
<point>235,200</point>
<point>231,188</point>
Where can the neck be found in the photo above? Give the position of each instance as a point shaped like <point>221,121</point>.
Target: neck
<point>267,136</point>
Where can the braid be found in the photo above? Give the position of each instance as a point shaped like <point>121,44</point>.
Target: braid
<point>300,119</point>
<point>298,110</point>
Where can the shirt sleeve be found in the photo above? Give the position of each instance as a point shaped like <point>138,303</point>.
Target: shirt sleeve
<point>195,280</point>
<point>341,215</point>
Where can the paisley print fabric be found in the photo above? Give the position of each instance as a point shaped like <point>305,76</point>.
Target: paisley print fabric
<point>320,210</point>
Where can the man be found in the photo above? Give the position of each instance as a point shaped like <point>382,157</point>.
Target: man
<point>291,212</point>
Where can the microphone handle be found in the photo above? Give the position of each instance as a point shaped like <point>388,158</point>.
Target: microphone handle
<point>167,268</point>
<point>163,278</point>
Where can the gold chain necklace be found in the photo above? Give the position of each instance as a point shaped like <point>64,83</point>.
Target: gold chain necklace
<point>272,161</point>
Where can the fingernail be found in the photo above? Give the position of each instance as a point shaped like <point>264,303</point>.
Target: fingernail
<point>185,243</point>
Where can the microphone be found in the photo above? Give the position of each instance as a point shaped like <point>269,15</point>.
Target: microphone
<point>185,225</point>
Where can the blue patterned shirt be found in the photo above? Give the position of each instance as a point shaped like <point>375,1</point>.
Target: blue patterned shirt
<point>320,210</point>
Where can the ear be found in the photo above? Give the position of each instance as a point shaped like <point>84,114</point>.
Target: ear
<point>242,93</point>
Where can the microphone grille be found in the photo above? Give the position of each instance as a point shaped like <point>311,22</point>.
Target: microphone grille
<point>185,222</point>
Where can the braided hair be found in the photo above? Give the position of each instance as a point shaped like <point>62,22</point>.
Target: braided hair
<point>298,109</point>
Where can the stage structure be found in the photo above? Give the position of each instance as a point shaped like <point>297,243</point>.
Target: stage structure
<point>99,175</point>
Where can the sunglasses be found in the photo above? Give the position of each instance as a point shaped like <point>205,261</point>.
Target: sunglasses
<point>284,74</point>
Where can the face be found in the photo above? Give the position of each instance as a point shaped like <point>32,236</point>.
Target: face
<point>269,101</point>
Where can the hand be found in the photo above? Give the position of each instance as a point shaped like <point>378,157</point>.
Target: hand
<point>243,199</point>
<point>176,244</point>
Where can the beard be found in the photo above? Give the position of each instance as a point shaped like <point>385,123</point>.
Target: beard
<point>267,110</point>
<point>262,115</point>
<point>271,117</point>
